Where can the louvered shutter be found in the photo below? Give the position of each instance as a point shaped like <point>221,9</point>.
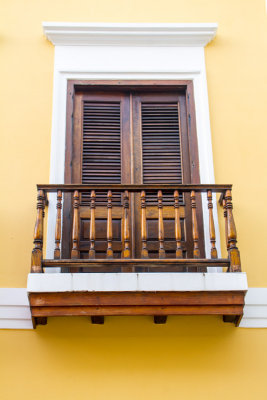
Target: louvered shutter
<point>101,145</point>
<point>161,146</point>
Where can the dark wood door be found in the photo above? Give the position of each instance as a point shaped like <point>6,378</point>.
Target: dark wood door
<point>161,156</point>
<point>132,136</point>
<point>100,155</point>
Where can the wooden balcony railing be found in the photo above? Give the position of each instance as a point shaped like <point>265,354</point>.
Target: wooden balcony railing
<point>133,201</point>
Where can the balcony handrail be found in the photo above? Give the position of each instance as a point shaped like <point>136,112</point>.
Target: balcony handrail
<point>71,187</point>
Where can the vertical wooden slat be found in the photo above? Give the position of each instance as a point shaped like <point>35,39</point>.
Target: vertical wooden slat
<point>92,226</point>
<point>178,234</point>
<point>109,226</point>
<point>226,223</point>
<point>75,226</point>
<point>58,226</point>
<point>196,253</point>
<point>126,249</point>
<point>37,252</point>
<point>161,226</point>
<point>144,252</point>
<point>235,263</point>
<point>213,250</point>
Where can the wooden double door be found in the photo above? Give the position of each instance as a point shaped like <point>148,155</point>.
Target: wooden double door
<point>132,135</point>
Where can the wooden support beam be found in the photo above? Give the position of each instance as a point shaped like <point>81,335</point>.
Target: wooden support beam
<point>97,319</point>
<point>160,319</point>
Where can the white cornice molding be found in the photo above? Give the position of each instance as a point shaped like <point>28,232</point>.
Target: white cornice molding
<point>255,310</point>
<point>100,34</point>
<point>15,309</point>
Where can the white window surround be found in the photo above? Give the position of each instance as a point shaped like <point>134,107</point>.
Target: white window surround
<point>86,51</point>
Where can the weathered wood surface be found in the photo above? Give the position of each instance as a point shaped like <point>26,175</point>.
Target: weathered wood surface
<point>134,188</point>
<point>178,234</point>
<point>151,263</point>
<point>144,252</point>
<point>160,226</point>
<point>137,298</point>
<point>37,252</point>
<point>126,253</point>
<point>235,263</point>
<point>92,226</point>
<point>75,226</point>
<point>196,252</point>
<point>58,226</point>
<point>213,250</point>
<point>109,226</point>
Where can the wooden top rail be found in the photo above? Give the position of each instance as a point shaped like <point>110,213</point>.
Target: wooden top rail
<point>134,188</point>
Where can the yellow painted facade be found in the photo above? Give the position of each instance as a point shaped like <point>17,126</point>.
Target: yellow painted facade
<point>131,358</point>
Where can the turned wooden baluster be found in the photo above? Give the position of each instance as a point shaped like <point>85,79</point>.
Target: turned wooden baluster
<point>235,263</point>
<point>109,226</point>
<point>213,250</point>
<point>196,253</point>
<point>37,252</point>
<point>161,226</point>
<point>58,226</point>
<point>126,250</point>
<point>225,223</point>
<point>144,252</point>
<point>178,234</point>
<point>75,226</point>
<point>92,226</point>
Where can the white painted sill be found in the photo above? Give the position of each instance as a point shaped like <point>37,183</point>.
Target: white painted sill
<point>135,282</point>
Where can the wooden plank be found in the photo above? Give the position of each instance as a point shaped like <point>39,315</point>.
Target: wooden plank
<point>134,188</point>
<point>137,310</point>
<point>160,319</point>
<point>136,298</point>
<point>152,263</point>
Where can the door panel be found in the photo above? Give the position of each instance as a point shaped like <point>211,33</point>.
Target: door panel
<point>133,136</point>
<point>162,156</point>
<point>100,143</point>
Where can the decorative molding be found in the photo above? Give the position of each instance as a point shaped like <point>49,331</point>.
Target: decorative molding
<point>15,309</point>
<point>255,310</point>
<point>96,34</point>
<point>135,282</point>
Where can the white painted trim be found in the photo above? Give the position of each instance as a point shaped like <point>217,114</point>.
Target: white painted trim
<point>135,282</point>
<point>255,310</point>
<point>96,62</point>
<point>100,34</point>
<point>14,309</point>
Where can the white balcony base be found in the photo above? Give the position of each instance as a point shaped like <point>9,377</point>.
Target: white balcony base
<point>135,282</point>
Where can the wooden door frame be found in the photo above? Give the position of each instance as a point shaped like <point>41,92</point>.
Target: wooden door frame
<point>74,86</point>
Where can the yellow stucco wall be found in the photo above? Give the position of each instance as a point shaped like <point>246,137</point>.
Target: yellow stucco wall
<point>131,358</point>
<point>237,82</point>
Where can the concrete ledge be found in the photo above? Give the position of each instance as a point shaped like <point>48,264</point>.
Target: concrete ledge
<point>15,309</point>
<point>255,310</point>
<point>134,282</point>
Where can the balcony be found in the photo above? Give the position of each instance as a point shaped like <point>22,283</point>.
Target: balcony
<point>134,250</point>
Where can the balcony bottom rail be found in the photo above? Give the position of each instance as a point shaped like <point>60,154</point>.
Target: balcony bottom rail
<point>129,265</point>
